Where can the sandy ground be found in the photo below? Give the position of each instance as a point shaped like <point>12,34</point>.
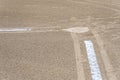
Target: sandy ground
<point>42,54</point>
<point>17,13</point>
<point>37,56</point>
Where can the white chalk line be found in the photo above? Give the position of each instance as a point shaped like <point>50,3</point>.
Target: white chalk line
<point>43,29</point>
<point>95,70</point>
<point>23,30</point>
<point>14,29</point>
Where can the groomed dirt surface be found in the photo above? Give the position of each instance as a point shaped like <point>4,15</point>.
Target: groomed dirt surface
<point>111,39</point>
<point>37,56</point>
<point>37,13</point>
<point>17,64</point>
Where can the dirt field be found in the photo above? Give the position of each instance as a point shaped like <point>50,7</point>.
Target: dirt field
<point>47,40</point>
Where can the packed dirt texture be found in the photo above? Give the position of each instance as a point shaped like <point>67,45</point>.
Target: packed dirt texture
<point>42,13</point>
<point>18,60</point>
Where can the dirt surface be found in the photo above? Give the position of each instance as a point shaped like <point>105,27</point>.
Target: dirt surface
<point>29,13</point>
<point>37,56</point>
<point>46,51</point>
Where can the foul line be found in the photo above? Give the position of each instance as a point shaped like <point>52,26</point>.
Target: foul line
<point>27,30</point>
<point>14,29</point>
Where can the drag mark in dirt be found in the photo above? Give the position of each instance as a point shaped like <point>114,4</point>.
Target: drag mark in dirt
<point>80,69</point>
